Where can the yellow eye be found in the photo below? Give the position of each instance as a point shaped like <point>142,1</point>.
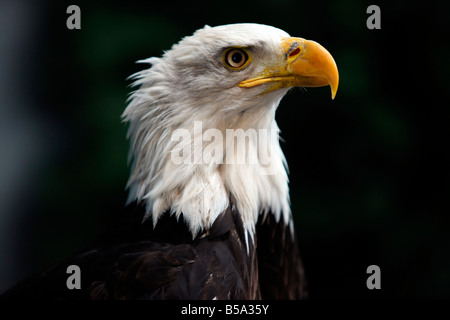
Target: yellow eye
<point>236,58</point>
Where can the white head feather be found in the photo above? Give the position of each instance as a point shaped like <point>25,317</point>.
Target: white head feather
<point>190,83</point>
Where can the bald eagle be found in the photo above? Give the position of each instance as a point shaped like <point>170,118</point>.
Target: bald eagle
<point>208,213</point>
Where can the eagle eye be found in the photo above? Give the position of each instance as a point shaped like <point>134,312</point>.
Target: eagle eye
<point>236,58</point>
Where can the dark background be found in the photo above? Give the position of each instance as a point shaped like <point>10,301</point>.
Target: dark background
<point>369,171</point>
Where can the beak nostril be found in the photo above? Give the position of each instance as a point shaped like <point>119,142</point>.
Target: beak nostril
<point>294,52</point>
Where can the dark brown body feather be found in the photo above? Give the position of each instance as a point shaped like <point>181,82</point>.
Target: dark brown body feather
<point>135,261</point>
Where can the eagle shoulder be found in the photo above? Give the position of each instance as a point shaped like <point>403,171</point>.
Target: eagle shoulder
<point>138,262</point>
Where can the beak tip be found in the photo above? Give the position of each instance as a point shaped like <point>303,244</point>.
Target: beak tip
<point>334,81</point>
<point>333,92</point>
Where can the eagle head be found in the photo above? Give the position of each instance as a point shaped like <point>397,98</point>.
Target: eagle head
<point>221,81</point>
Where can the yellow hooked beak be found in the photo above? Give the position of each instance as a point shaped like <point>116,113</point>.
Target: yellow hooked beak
<point>304,64</point>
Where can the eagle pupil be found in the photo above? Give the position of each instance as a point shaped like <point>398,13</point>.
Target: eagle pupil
<point>237,57</point>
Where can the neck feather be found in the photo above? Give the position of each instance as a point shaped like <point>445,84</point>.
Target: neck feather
<point>195,161</point>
